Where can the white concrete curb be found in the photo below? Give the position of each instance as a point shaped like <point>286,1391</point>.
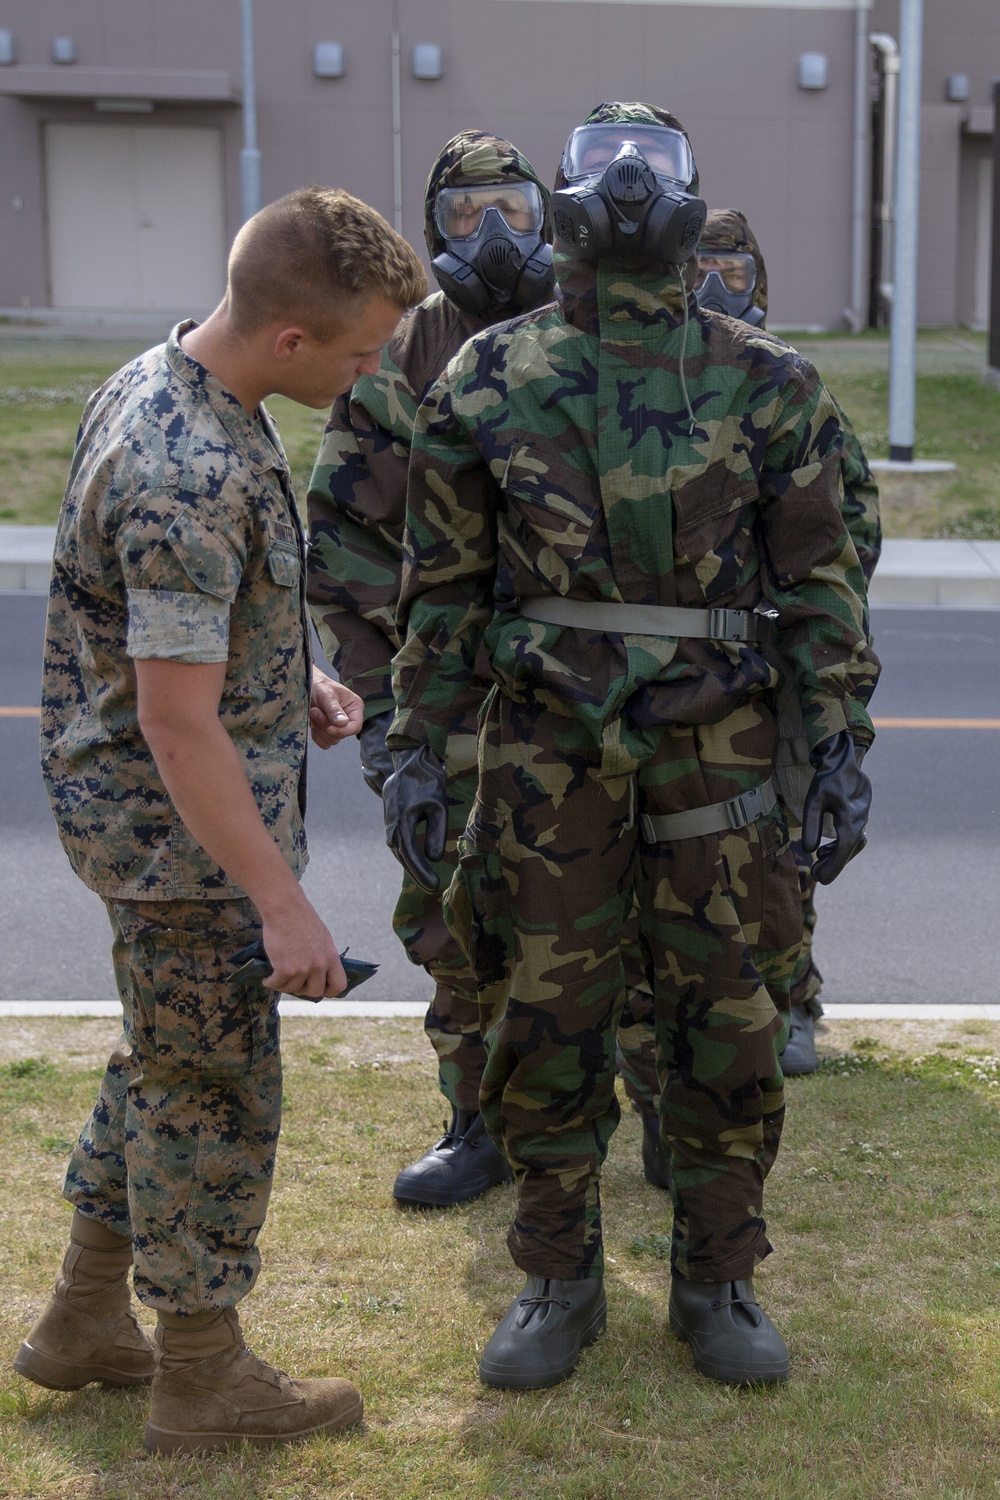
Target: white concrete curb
<point>335,1010</point>
<point>26,558</point>
<point>914,574</point>
<point>942,573</point>
<point>329,1010</point>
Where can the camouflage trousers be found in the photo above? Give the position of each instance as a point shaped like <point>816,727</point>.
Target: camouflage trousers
<point>637,1030</point>
<point>452,1020</point>
<point>550,865</point>
<point>179,1150</point>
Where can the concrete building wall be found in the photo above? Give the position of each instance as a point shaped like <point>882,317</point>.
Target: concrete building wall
<point>960,36</point>
<point>529,70</point>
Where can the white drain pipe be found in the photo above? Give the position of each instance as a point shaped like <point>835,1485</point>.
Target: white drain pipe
<point>856,316</point>
<point>886,46</point>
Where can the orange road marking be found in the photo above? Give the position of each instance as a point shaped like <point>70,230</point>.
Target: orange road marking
<point>19,713</point>
<point>936,723</point>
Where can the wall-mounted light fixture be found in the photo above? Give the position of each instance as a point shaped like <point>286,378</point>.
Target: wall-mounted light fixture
<point>8,53</point>
<point>124,106</point>
<point>813,70</point>
<point>427,61</point>
<point>957,88</point>
<point>328,60</point>
<point>64,49</point>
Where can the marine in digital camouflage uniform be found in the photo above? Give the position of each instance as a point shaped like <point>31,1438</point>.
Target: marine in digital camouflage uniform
<point>357,503</point>
<point>178,694</point>
<point>178,539</point>
<point>545,464</point>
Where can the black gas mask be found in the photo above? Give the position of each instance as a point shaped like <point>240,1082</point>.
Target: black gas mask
<point>626,196</point>
<point>495,260</point>
<point>726,283</point>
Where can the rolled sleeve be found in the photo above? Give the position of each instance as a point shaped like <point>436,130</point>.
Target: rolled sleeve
<point>166,625</point>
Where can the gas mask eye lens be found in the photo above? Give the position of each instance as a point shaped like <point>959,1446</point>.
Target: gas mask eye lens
<point>459,212</point>
<point>591,148</point>
<point>735,270</point>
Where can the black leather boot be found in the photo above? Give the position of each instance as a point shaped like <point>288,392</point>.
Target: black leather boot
<point>463,1164</point>
<point>731,1337</point>
<point>540,1336</point>
<point>799,1055</point>
<point>655,1157</point>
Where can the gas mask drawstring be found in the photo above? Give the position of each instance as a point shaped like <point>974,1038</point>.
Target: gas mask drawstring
<point>684,340</point>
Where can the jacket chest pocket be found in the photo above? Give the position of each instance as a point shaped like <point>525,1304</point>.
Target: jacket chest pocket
<point>284,564</point>
<point>714,517</point>
<point>547,497</point>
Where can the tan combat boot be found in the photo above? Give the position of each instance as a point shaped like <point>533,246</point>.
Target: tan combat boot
<point>211,1391</point>
<point>88,1330</point>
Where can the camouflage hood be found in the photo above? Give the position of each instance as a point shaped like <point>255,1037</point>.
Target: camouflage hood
<point>470,158</point>
<point>657,294</point>
<point>726,229</point>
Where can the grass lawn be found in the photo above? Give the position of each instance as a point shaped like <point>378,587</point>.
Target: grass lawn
<point>44,383</point>
<point>883,1207</point>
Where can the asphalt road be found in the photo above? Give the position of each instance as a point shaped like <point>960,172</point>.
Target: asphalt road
<point>914,919</point>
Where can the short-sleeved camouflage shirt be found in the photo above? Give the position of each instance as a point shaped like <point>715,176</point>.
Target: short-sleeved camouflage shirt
<point>178,538</point>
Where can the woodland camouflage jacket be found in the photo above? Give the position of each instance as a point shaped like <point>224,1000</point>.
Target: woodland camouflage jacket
<point>357,494</point>
<point>357,500</point>
<point>727,229</point>
<point>556,456</point>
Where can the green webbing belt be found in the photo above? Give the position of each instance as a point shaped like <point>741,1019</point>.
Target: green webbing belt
<point>718,817</point>
<point>647,619</point>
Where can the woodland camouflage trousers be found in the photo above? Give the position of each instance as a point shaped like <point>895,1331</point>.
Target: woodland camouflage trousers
<point>550,863</point>
<point>637,1027</point>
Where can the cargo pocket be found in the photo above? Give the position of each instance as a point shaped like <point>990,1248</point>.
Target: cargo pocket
<point>283,565</point>
<point>190,1019</point>
<point>476,907</point>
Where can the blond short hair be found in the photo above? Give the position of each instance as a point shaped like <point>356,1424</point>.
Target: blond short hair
<point>315,257</point>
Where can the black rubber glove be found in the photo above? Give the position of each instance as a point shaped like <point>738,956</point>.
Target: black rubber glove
<point>376,757</point>
<point>841,791</point>
<point>416,794</point>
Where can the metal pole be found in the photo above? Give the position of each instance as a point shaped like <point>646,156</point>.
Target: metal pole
<point>397,127</point>
<point>903,329</point>
<point>856,313</point>
<point>994,350</point>
<point>251,185</point>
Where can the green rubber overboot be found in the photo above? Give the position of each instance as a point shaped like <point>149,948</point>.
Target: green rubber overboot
<point>87,1331</point>
<point>731,1337</point>
<point>539,1338</point>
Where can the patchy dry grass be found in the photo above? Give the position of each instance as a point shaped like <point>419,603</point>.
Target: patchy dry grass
<point>44,383</point>
<point>883,1208</point>
<point>957,418</point>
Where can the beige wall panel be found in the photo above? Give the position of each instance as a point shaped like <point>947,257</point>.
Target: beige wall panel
<point>93,216</point>
<point>940,144</point>
<point>135,217</point>
<point>182,251</point>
